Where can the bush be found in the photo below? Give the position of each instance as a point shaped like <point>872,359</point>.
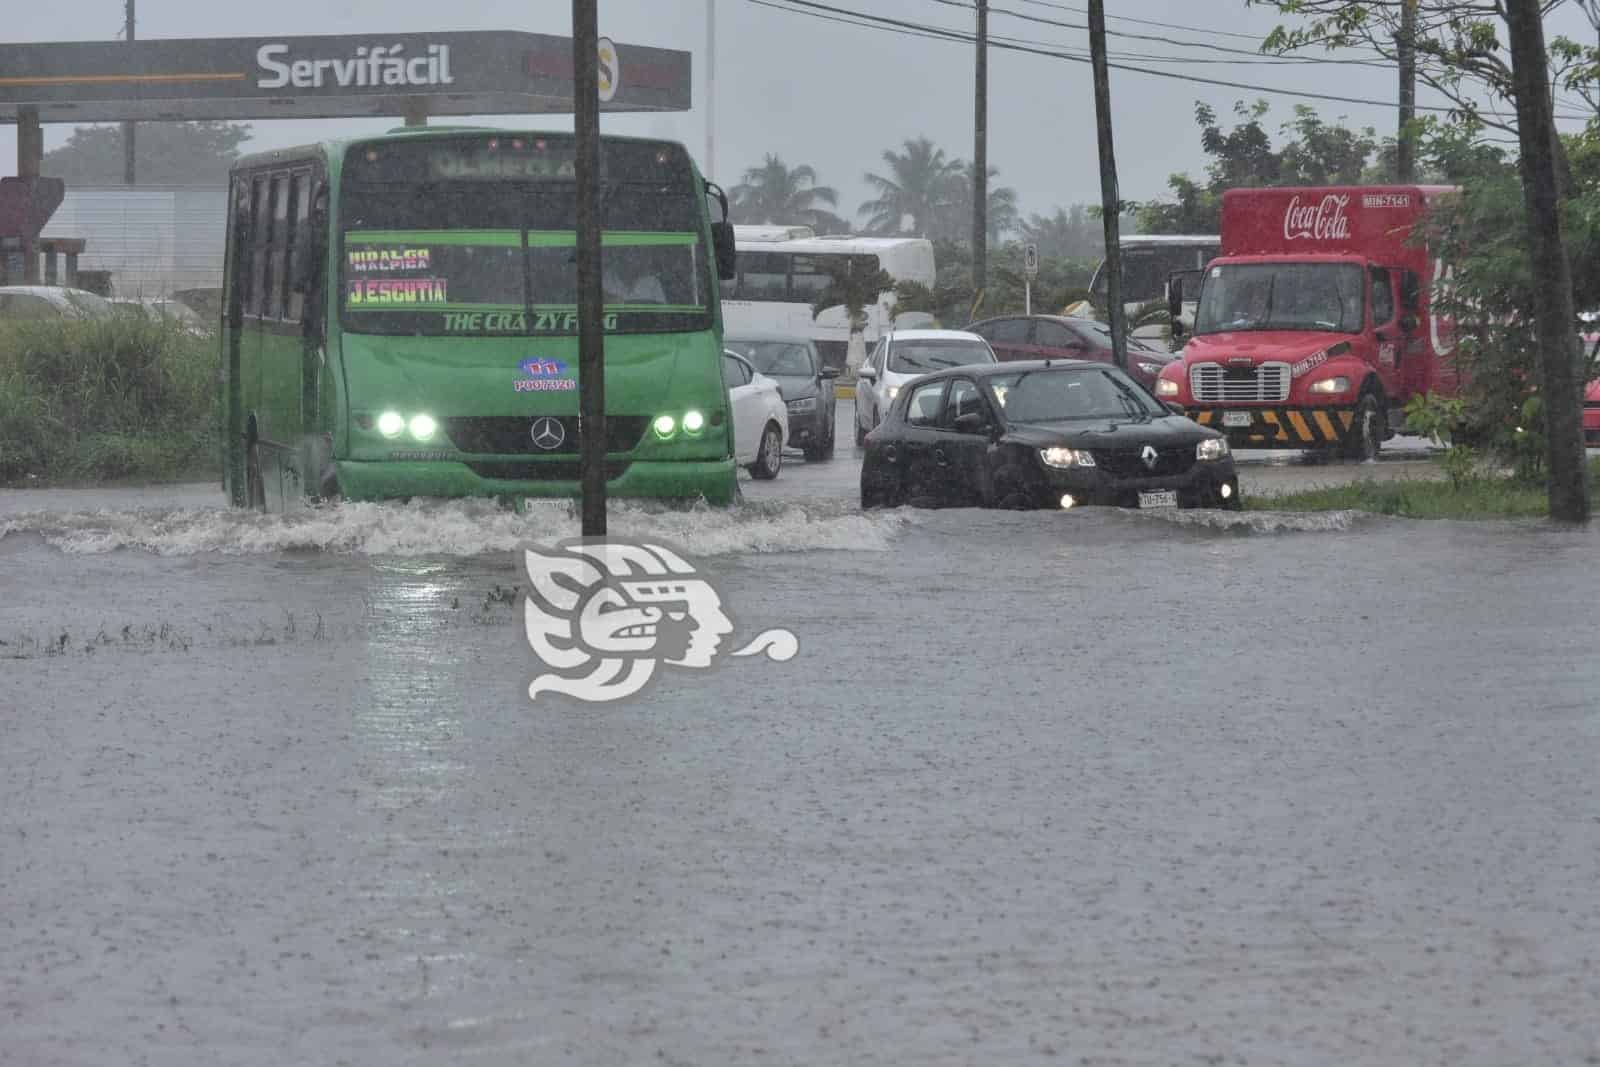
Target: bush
<point>96,399</point>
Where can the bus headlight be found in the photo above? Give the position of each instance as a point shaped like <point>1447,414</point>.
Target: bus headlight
<point>1166,387</point>
<point>390,423</point>
<point>664,425</point>
<point>693,422</point>
<point>1066,457</point>
<point>1331,385</point>
<point>423,427</point>
<point>1211,448</point>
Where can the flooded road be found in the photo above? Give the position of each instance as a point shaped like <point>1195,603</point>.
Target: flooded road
<point>1086,787</point>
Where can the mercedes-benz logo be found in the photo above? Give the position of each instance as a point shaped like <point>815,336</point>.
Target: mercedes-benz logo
<point>547,432</point>
<point>1149,456</point>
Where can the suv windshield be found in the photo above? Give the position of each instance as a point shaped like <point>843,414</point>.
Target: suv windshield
<point>775,357</point>
<point>1281,296</point>
<point>1068,394</point>
<point>925,357</point>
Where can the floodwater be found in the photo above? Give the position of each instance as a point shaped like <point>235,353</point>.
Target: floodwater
<point>1088,787</point>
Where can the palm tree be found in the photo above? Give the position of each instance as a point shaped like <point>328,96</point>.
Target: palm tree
<point>852,284</point>
<point>774,194</point>
<point>917,187</point>
<point>955,218</point>
<point>1066,234</point>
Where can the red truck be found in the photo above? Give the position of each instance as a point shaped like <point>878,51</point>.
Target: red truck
<point>1313,327</point>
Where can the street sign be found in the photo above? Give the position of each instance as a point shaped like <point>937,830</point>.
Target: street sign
<point>1030,260</point>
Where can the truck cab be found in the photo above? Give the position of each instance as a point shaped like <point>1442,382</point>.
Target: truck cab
<point>1312,329</point>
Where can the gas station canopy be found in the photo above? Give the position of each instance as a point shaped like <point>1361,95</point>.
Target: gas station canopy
<point>462,73</point>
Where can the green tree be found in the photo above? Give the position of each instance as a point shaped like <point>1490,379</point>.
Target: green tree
<point>853,285</point>
<point>775,194</point>
<point>1321,154</point>
<point>167,153</point>
<point>953,217</point>
<point>917,187</point>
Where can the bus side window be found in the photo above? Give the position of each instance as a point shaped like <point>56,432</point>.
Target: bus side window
<point>299,232</point>
<point>255,302</point>
<point>238,250</point>
<point>279,240</point>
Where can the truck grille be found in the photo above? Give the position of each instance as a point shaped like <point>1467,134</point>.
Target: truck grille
<point>1265,383</point>
<point>509,435</point>
<point>1128,463</point>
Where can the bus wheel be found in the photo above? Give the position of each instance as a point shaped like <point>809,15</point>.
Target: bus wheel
<point>770,459</point>
<point>1366,432</point>
<point>255,489</point>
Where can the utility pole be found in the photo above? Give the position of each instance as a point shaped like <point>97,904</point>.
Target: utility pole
<point>128,155</point>
<point>591,342</point>
<point>1110,201</point>
<point>1405,155</point>
<point>1559,354</point>
<point>711,88</point>
<point>980,158</point>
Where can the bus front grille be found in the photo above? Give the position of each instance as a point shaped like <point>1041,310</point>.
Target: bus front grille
<point>512,435</point>
<point>550,470</point>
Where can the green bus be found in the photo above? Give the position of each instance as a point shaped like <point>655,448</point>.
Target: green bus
<point>400,320</point>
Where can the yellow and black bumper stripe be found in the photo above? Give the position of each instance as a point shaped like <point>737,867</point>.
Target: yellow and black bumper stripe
<point>1286,427</point>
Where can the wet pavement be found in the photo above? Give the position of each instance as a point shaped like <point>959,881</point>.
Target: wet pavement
<point>1088,787</point>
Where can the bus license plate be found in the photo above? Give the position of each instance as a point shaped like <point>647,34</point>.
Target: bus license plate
<point>1161,498</point>
<point>1237,418</point>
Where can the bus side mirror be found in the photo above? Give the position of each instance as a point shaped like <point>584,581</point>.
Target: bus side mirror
<point>722,241</point>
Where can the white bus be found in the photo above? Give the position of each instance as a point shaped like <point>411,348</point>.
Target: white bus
<point>1147,260</point>
<point>781,273</point>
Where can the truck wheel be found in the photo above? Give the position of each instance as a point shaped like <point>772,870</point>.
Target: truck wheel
<point>1366,432</point>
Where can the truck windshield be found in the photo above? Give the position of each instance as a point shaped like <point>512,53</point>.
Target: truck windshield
<point>1281,296</point>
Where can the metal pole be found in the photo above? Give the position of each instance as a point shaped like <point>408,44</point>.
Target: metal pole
<point>1405,46</point>
<point>1027,298</point>
<point>980,157</point>
<point>1110,202</point>
<point>711,88</point>
<point>591,342</point>
<point>128,154</point>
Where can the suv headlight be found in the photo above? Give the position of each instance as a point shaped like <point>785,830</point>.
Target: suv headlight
<point>1211,448</point>
<point>1166,387</point>
<point>1151,369</point>
<point>1331,385</point>
<point>1066,457</point>
<point>805,403</point>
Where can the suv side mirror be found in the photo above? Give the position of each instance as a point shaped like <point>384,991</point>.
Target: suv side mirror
<point>867,373</point>
<point>828,372</point>
<point>971,422</point>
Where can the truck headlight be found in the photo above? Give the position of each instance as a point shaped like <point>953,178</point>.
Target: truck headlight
<point>1166,387</point>
<point>1211,448</point>
<point>805,403</point>
<point>1331,385</point>
<point>1066,457</point>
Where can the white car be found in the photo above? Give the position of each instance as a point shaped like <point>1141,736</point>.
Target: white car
<point>51,302</point>
<point>902,355</point>
<point>760,417</point>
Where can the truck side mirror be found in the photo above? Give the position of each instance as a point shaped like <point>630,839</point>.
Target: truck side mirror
<point>1408,323</point>
<point>1410,290</point>
<point>1174,299</point>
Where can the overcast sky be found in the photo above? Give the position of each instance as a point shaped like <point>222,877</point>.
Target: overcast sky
<point>836,96</point>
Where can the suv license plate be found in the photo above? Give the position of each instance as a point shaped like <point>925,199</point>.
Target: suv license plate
<point>1237,418</point>
<point>1161,498</point>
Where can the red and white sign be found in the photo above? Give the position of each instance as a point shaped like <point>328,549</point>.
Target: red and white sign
<point>1321,221</point>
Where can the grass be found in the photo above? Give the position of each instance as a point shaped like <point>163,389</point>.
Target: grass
<point>124,399</point>
<point>1484,497</point>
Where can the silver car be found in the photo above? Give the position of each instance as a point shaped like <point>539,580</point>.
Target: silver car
<point>902,355</point>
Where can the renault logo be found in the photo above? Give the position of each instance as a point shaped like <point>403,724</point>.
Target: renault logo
<point>548,433</point>
<point>1149,456</point>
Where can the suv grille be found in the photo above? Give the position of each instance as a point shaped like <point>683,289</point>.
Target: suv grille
<point>1127,463</point>
<point>509,435</point>
<point>1266,383</point>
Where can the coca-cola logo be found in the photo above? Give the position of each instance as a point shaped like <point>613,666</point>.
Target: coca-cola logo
<point>1322,221</point>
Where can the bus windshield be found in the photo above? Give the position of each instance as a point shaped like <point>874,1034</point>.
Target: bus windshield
<point>475,236</point>
<point>1281,296</point>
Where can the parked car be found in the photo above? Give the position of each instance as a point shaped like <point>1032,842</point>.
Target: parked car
<point>902,355</point>
<point>760,417</point>
<point>807,387</point>
<point>1050,434</point>
<point>171,309</point>
<point>1015,337</point>
<point>51,301</point>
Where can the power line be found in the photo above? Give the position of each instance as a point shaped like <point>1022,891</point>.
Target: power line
<point>1144,22</point>
<point>884,23</point>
